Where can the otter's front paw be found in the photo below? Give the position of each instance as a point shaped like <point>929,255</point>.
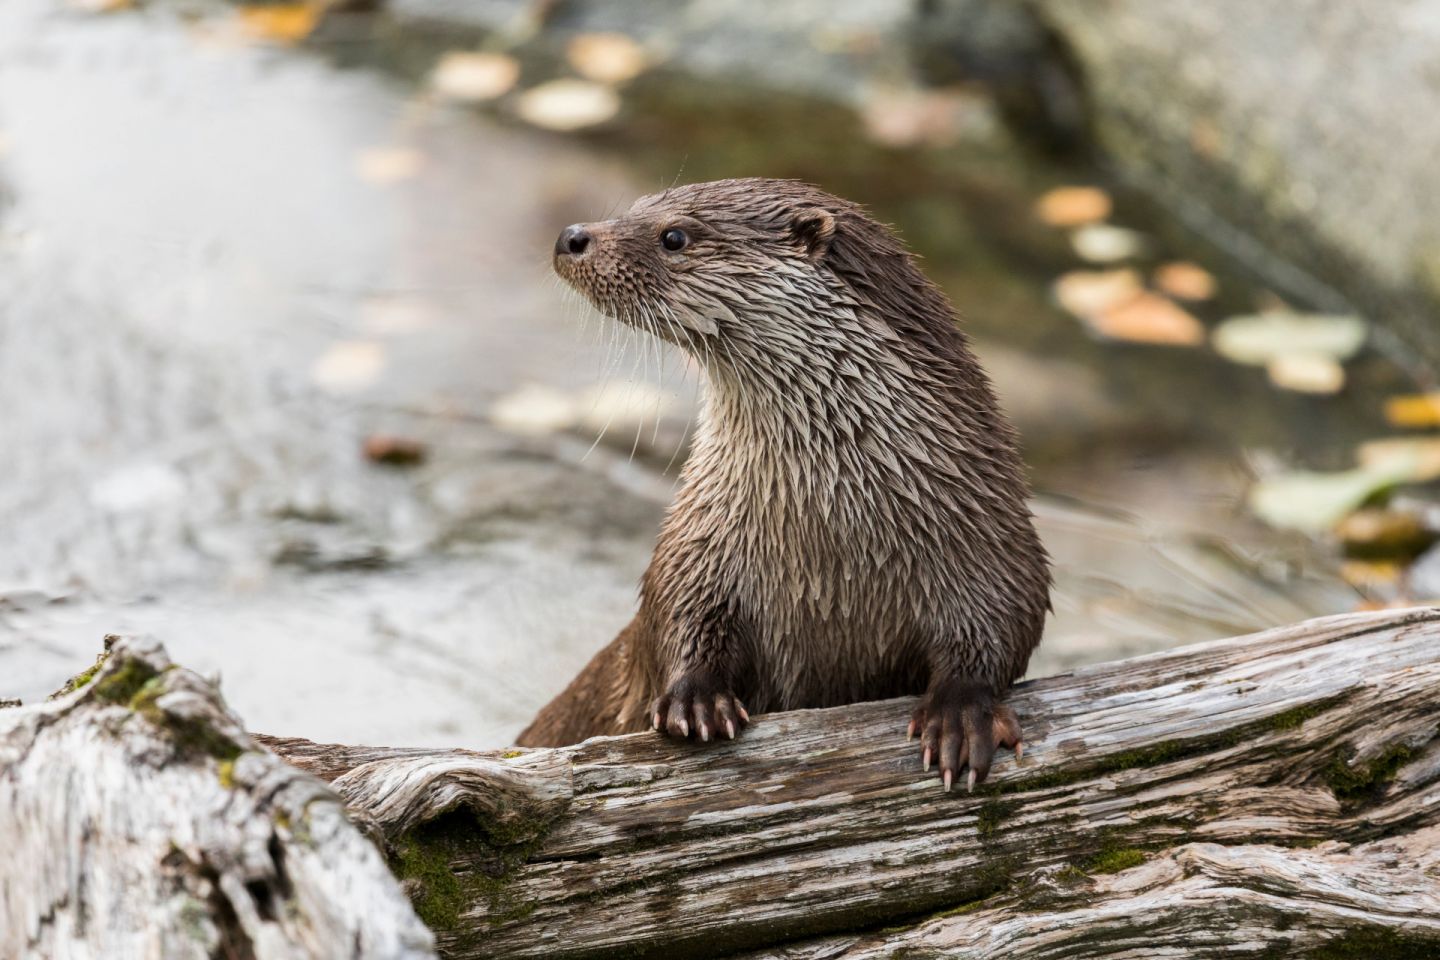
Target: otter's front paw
<point>960,723</point>
<point>697,703</point>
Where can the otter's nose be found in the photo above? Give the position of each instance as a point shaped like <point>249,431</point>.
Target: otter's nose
<point>573,241</point>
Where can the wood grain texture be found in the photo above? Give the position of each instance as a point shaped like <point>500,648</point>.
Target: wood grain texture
<point>1272,792</point>
<point>138,820</point>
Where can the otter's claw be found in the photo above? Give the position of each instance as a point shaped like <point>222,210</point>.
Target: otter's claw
<point>694,704</point>
<point>961,725</point>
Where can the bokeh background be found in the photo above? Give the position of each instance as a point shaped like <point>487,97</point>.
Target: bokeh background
<point>285,379</point>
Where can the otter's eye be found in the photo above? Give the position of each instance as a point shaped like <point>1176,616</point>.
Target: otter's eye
<point>674,239</point>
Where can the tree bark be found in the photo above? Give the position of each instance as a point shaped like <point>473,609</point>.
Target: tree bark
<point>137,819</point>
<point>1269,795</point>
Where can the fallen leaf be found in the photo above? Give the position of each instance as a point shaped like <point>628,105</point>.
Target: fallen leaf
<point>1073,206</point>
<point>1086,293</point>
<point>1414,410</point>
<point>534,409</point>
<point>1259,338</point>
<point>1149,318</point>
<point>1306,373</point>
<point>348,366</point>
<point>606,57</point>
<point>1316,502</point>
<point>1380,534</point>
<point>1184,280</point>
<point>394,451</point>
<point>279,23</point>
<point>388,164</point>
<point>1413,459</point>
<point>474,77</point>
<point>568,105</point>
<point>1104,243</point>
<point>1371,573</point>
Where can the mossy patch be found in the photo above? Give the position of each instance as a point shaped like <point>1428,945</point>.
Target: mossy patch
<point>1113,861</point>
<point>121,685</point>
<point>83,678</point>
<point>1355,786</point>
<point>991,814</point>
<point>457,861</point>
<point>226,773</point>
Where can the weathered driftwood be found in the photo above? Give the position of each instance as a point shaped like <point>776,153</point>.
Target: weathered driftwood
<point>137,819</point>
<point>1268,795</point>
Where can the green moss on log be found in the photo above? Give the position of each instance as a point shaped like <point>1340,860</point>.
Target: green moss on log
<point>1355,786</point>
<point>458,861</point>
<point>122,684</point>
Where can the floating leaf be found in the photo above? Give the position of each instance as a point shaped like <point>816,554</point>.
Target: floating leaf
<point>1260,338</point>
<point>1104,243</point>
<point>1086,293</point>
<point>568,105</point>
<point>534,409</point>
<point>348,366</point>
<point>1073,206</point>
<point>1306,373</point>
<point>1414,410</point>
<point>1315,502</point>
<point>1184,280</point>
<point>388,164</point>
<point>1149,318</point>
<point>606,57</point>
<point>279,23</point>
<point>474,77</point>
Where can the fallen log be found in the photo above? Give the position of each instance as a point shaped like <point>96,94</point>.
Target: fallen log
<point>138,819</point>
<point>1277,794</point>
<point>1268,795</point>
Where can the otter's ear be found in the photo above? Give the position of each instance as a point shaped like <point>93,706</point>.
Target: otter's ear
<point>813,229</point>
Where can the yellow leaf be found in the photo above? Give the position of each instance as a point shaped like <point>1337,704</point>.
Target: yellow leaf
<point>1414,410</point>
<point>1073,206</point>
<point>280,23</point>
<point>1370,573</point>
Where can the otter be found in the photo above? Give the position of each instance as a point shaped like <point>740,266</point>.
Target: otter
<point>853,521</point>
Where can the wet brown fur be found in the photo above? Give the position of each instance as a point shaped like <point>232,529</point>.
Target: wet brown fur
<point>852,522</point>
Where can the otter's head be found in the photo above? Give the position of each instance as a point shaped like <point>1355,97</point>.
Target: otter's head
<point>717,267</point>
